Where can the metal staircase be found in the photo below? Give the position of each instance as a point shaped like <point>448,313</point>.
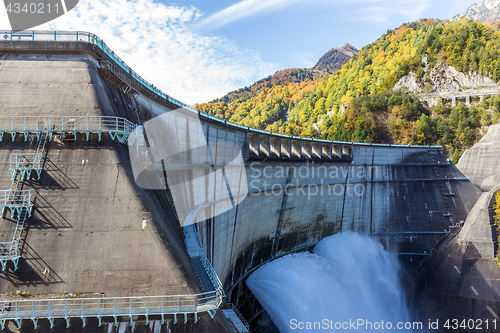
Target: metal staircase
<point>238,323</point>
<point>18,201</point>
<point>206,274</point>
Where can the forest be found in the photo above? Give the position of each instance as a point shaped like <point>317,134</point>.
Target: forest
<point>299,103</point>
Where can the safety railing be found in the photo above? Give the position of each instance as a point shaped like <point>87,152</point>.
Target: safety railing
<point>9,250</point>
<point>108,306</point>
<point>24,164</point>
<point>232,310</point>
<point>115,126</point>
<point>243,320</point>
<point>65,123</point>
<point>192,243</point>
<point>131,84</point>
<point>19,201</point>
<point>15,201</point>
<point>212,275</point>
<point>195,250</point>
<point>86,37</point>
<point>20,205</point>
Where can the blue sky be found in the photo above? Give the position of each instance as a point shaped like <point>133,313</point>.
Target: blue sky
<point>198,50</point>
<point>298,33</point>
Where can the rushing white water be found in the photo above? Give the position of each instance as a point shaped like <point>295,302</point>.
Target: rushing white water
<point>349,278</point>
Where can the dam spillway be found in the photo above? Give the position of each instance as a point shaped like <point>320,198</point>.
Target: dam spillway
<point>94,231</point>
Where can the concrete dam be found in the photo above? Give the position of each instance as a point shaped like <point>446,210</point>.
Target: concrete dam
<point>88,246</point>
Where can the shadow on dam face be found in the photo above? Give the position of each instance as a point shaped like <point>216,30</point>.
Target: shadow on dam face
<point>86,233</point>
<point>139,325</point>
<point>459,286</point>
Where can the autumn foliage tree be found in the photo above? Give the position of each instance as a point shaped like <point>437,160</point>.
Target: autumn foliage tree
<point>296,102</point>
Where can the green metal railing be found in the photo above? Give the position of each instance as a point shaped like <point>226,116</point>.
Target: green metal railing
<point>35,309</point>
<point>19,202</point>
<point>116,127</point>
<point>83,308</point>
<point>15,201</point>
<point>195,251</point>
<point>243,326</point>
<point>24,164</point>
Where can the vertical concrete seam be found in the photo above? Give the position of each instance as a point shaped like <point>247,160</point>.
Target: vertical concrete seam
<point>343,201</point>
<point>371,192</point>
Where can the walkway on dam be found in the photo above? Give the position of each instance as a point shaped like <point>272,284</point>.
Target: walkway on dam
<point>115,126</point>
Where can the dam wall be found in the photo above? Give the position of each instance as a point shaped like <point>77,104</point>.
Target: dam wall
<point>94,235</point>
<point>97,231</point>
<point>408,198</point>
<point>462,279</point>
<point>482,163</point>
<point>86,186</point>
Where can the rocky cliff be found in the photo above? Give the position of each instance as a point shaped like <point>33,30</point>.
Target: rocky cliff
<point>442,78</point>
<point>488,10</point>
<point>334,59</point>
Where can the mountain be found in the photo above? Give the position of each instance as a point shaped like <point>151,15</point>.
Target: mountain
<point>283,77</point>
<point>329,63</point>
<point>427,55</point>
<point>334,59</point>
<point>488,10</point>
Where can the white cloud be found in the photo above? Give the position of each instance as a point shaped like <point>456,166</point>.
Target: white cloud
<point>241,10</point>
<point>375,11</point>
<point>384,11</point>
<point>305,58</point>
<point>162,43</point>
<point>156,41</point>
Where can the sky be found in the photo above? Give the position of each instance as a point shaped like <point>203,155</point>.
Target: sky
<point>198,50</point>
